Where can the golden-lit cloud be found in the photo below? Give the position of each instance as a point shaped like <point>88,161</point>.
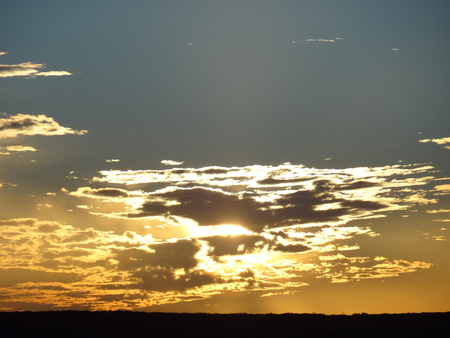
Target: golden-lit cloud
<point>170,162</point>
<point>261,198</point>
<point>442,187</point>
<point>29,69</point>
<point>20,148</point>
<point>441,141</point>
<point>192,233</point>
<point>23,124</point>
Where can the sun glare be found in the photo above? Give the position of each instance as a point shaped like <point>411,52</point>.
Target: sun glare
<point>231,230</point>
<point>218,230</point>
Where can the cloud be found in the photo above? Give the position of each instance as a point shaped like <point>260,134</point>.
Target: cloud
<point>315,40</point>
<point>440,141</point>
<point>27,69</point>
<point>23,124</point>
<point>444,187</point>
<point>260,198</point>
<point>320,40</point>
<point>198,232</point>
<point>170,162</point>
<point>53,73</point>
<point>20,148</point>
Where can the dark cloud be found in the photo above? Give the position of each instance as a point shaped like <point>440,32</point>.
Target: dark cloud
<point>271,180</point>
<point>48,228</point>
<point>10,277</point>
<point>356,185</point>
<point>156,270</point>
<point>235,245</point>
<point>109,192</point>
<point>291,248</point>
<point>209,207</point>
<point>247,244</point>
<point>214,207</point>
<point>179,255</point>
<point>163,279</point>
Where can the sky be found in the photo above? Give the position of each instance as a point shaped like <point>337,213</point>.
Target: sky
<point>225,156</point>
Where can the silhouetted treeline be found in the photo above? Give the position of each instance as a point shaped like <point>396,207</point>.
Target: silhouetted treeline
<point>142,324</point>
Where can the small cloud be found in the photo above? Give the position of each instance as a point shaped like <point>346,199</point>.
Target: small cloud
<point>437,211</point>
<point>28,69</point>
<point>23,124</point>
<point>327,159</point>
<point>320,40</point>
<point>113,160</point>
<point>444,187</point>
<point>20,148</point>
<point>53,73</point>
<point>170,162</point>
<point>42,206</point>
<point>441,141</point>
<point>396,49</point>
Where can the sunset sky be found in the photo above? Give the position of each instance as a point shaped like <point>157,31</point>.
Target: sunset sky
<point>225,156</point>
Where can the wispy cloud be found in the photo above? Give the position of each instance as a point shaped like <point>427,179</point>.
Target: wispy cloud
<point>314,40</point>
<point>23,124</point>
<point>441,141</point>
<point>170,162</point>
<point>29,69</point>
<point>21,148</point>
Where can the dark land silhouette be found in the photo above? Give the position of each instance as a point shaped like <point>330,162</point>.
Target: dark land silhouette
<point>142,324</point>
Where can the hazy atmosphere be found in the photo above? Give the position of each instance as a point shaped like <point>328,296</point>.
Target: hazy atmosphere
<point>225,156</point>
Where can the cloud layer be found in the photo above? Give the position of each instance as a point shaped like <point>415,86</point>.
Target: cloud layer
<point>226,229</point>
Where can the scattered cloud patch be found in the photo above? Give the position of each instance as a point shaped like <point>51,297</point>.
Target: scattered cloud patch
<point>314,40</point>
<point>170,162</point>
<point>21,148</point>
<point>23,124</point>
<point>441,141</point>
<point>113,160</point>
<point>28,69</point>
<point>320,40</point>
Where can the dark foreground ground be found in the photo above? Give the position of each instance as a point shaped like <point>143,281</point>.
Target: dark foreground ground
<point>140,324</point>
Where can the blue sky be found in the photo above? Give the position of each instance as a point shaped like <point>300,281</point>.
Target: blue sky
<point>340,107</point>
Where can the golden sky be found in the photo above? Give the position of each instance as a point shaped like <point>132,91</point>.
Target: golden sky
<point>257,157</point>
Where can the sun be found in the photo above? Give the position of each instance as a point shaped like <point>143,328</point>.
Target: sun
<point>231,230</point>
<point>217,230</point>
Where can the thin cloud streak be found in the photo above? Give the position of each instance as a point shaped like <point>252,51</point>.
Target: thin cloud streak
<point>28,69</point>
